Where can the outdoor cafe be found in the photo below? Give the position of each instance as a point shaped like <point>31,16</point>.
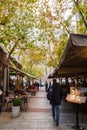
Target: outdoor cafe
<point>12,87</point>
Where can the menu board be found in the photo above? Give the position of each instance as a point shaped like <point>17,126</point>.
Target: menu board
<point>76,99</point>
<point>70,97</point>
<point>80,99</point>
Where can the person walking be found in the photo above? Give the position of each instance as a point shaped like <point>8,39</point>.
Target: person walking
<point>49,92</point>
<point>46,86</point>
<point>56,101</point>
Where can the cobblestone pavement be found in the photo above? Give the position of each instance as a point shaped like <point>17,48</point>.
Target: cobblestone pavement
<point>39,117</point>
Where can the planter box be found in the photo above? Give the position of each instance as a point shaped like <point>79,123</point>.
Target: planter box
<point>15,111</point>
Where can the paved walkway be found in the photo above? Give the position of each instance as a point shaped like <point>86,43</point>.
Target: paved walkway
<point>38,116</point>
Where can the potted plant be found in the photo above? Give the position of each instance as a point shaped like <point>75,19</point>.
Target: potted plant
<point>16,107</point>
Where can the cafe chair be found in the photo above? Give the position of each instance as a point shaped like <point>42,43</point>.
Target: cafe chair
<point>25,103</point>
<point>8,104</point>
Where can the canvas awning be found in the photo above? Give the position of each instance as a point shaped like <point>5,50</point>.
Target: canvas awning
<point>21,73</point>
<point>74,58</point>
<point>13,63</point>
<point>16,62</point>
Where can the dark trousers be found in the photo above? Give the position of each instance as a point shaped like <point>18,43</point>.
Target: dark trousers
<point>56,112</point>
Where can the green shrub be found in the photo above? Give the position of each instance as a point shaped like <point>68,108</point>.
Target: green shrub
<point>16,102</point>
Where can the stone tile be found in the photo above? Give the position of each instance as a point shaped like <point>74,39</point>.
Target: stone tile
<point>39,116</point>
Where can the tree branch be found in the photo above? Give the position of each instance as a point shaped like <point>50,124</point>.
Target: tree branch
<point>76,3</point>
<point>12,50</point>
<point>65,27</point>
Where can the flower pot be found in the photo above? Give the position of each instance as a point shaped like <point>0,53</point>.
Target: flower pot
<point>15,111</point>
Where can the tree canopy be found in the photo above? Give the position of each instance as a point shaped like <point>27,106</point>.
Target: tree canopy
<point>36,31</point>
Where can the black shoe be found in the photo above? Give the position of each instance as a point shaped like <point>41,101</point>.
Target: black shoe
<point>57,124</point>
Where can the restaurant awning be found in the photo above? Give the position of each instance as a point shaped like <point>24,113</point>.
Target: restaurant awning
<point>14,65</point>
<point>74,58</point>
<point>12,61</point>
<point>21,73</point>
<point>16,62</point>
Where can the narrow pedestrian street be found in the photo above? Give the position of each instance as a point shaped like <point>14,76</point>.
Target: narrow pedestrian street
<point>38,116</point>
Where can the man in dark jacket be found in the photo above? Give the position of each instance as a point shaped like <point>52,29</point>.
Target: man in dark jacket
<point>56,101</point>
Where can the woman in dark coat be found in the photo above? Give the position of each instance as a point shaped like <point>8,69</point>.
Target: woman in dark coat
<point>56,101</point>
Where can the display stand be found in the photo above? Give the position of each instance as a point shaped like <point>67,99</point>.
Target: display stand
<point>77,126</point>
<point>77,100</point>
